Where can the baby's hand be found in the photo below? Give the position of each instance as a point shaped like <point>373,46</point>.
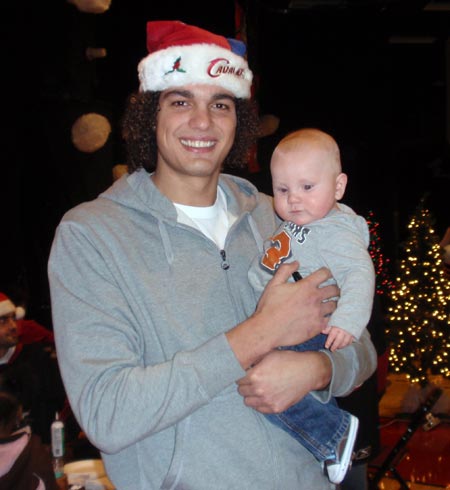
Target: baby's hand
<point>337,338</point>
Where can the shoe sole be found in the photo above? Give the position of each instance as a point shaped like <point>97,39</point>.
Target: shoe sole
<point>345,462</point>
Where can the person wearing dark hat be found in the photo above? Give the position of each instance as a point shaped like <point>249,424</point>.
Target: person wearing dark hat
<point>168,360</point>
<point>28,367</point>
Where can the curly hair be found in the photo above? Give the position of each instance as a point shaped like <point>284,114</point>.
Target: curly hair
<point>139,132</point>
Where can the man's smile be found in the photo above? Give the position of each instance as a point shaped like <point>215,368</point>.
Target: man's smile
<point>198,143</point>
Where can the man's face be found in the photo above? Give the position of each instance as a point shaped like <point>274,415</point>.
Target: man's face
<point>9,333</point>
<point>196,126</point>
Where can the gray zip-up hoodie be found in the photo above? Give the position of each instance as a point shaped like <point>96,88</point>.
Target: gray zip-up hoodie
<point>140,305</point>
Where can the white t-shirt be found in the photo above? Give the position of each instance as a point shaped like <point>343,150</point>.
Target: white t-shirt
<point>213,221</point>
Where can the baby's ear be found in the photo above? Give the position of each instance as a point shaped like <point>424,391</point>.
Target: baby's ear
<point>341,184</point>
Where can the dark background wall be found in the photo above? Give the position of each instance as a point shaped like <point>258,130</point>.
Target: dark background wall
<point>372,73</point>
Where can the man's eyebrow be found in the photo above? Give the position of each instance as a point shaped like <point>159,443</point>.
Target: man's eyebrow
<point>223,96</point>
<point>181,93</point>
<point>189,95</point>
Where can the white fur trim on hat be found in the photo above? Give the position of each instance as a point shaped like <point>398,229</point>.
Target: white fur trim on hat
<point>20,312</point>
<point>209,64</point>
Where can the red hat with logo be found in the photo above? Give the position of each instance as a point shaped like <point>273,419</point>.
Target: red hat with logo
<point>7,307</point>
<point>181,54</point>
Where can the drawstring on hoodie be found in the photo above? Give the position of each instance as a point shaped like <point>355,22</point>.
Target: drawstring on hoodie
<point>166,242</point>
<point>256,234</point>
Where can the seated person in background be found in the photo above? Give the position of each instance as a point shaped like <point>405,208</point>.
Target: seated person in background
<point>25,464</point>
<point>29,369</point>
<point>317,231</point>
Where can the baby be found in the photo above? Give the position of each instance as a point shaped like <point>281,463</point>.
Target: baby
<point>318,231</point>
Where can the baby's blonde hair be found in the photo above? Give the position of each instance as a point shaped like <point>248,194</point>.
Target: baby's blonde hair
<point>312,137</point>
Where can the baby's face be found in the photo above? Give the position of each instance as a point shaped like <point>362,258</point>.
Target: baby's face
<point>305,184</point>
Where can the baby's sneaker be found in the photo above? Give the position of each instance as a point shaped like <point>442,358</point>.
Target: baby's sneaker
<point>337,468</point>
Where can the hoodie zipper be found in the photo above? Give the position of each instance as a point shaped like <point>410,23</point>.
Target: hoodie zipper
<point>225,265</point>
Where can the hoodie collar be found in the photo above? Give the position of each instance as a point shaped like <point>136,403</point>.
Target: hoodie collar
<point>138,191</point>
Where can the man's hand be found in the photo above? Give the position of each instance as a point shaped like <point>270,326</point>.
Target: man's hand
<point>282,378</point>
<point>288,313</point>
<point>297,310</point>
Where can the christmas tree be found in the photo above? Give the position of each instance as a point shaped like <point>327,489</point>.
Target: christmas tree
<point>380,262</point>
<point>419,328</point>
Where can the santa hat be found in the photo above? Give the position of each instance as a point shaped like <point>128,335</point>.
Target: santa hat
<point>7,307</point>
<point>181,54</point>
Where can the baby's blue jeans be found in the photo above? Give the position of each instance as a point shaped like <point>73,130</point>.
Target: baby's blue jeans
<point>317,426</point>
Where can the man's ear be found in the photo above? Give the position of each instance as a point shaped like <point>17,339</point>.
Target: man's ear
<point>341,184</point>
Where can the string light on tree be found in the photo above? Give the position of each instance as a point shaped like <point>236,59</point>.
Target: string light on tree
<point>419,328</point>
<point>380,261</point>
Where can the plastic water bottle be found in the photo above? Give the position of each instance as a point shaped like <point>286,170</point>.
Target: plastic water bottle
<point>57,441</point>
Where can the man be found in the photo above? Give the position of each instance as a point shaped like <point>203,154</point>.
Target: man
<point>28,367</point>
<point>167,359</point>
